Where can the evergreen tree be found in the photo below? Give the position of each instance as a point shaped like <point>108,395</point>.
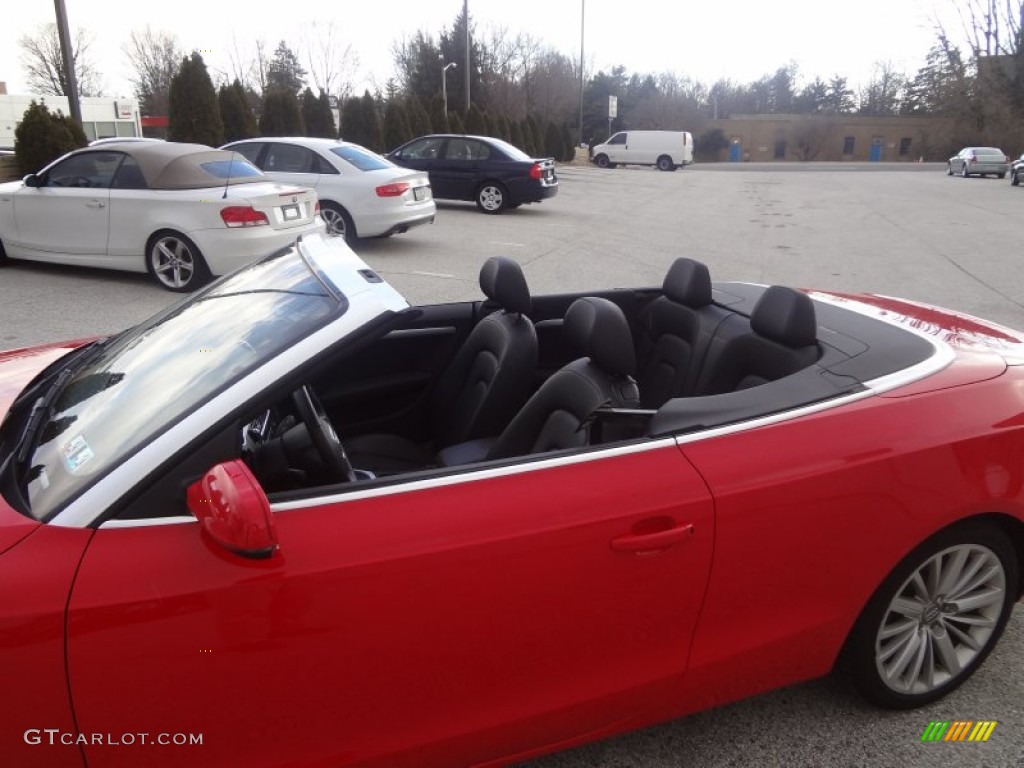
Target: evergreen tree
<point>194,115</point>
<point>317,116</point>
<point>282,115</point>
<point>568,144</point>
<point>455,123</point>
<point>284,70</point>
<point>438,117</point>
<point>516,135</point>
<point>419,120</point>
<point>504,128</point>
<point>396,126</point>
<point>490,126</point>
<point>352,128</point>
<point>553,142</point>
<point>239,121</point>
<point>529,145</point>
<point>538,135</point>
<point>374,126</point>
<point>475,122</point>
<point>41,137</point>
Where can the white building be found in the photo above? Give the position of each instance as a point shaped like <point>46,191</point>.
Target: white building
<point>101,117</point>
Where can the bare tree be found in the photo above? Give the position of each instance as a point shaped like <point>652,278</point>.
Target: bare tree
<point>249,66</point>
<point>332,64</point>
<point>44,63</point>
<point>154,57</point>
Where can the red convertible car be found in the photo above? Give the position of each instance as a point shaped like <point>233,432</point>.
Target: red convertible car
<point>293,521</point>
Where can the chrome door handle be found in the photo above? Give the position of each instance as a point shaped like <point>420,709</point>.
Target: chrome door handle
<point>96,204</point>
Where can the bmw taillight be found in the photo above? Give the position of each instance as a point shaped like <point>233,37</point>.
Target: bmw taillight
<point>536,173</point>
<point>397,189</point>
<point>243,216</point>
<point>316,208</point>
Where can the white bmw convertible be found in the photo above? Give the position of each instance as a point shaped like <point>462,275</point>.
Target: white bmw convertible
<point>181,212</point>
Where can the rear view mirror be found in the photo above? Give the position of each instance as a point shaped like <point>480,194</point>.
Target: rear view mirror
<point>233,510</point>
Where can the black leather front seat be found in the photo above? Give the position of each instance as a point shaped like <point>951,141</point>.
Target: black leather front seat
<point>558,415</point>
<point>782,339</point>
<point>678,327</point>
<point>484,385</point>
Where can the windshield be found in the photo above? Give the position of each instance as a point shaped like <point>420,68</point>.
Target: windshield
<point>112,403</point>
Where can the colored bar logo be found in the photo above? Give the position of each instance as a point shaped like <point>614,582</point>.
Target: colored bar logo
<point>959,730</point>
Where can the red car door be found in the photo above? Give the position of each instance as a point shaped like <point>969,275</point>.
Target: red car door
<point>438,622</point>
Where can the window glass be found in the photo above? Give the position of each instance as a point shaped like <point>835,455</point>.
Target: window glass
<point>905,145</point>
<point>618,138</point>
<point>428,149</point>
<point>237,167</point>
<point>250,150</point>
<point>322,165</point>
<point>93,170</point>
<point>125,128</point>
<point>848,145</point>
<point>288,158</point>
<point>363,159</point>
<point>129,176</point>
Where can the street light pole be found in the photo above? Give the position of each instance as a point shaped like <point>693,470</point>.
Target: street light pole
<point>583,10</point>
<point>64,35</point>
<point>444,85</point>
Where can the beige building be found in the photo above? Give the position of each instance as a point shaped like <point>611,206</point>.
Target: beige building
<point>760,138</point>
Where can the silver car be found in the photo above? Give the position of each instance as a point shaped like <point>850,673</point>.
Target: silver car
<point>1017,171</point>
<point>979,161</point>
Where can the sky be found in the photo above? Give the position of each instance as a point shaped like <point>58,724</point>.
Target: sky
<point>741,40</point>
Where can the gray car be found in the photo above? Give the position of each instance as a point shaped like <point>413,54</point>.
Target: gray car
<point>979,161</point>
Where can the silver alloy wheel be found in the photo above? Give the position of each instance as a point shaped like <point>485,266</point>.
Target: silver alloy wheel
<point>173,262</point>
<point>941,619</point>
<point>963,171</point>
<point>334,219</point>
<point>491,198</point>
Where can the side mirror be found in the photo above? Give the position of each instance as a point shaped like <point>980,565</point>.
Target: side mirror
<point>32,181</point>
<point>233,510</point>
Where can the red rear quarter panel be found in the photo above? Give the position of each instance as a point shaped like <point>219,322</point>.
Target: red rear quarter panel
<point>813,513</point>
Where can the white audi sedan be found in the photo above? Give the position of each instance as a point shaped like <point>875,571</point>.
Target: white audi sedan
<point>182,212</point>
<point>361,193</point>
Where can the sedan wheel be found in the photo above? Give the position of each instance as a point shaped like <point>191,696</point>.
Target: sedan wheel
<point>963,171</point>
<point>949,169</point>
<point>936,618</point>
<point>339,223</point>
<point>1014,181</point>
<point>176,263</point>
<point>491,197</point>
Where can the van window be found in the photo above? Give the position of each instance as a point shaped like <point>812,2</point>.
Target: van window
<point>618,138</point>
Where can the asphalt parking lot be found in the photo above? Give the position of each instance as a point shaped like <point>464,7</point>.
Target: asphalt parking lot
<point>902,230</point>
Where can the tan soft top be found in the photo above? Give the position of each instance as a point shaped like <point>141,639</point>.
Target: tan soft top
<point>170,165</point>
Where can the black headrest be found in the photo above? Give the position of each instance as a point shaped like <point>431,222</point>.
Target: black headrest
<point>688,282</point>
<point>785,316</point>
<point>598,328</point>
<point>502,280</point>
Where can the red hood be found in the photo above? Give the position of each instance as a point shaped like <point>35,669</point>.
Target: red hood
<point>959,330</point>
<point>19,366</point>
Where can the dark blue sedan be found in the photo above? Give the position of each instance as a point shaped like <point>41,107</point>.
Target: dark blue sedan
<point>489,171</point>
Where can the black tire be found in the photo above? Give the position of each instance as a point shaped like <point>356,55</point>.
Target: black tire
<point>943,643</point>
<point>175,262</point>
<point>1014,181</point>
<point>665,163</point>
<point>3,254</point>
<point>1001,175</point>
<point>963,171</point>
<point>601,161</point>
<point>339,222</point>
<point>491,197</point>
<point>949,169</point>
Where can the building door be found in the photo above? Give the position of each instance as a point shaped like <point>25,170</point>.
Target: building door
<point>735,151</point>
<point>876,149</point>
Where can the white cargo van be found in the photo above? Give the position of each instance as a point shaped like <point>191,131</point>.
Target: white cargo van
<point>667,150</point>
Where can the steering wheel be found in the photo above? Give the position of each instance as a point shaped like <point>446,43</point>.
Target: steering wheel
<point>325,439</point>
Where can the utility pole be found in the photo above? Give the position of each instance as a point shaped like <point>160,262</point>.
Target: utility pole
<point>465,15</point>
<point>583,11</point>
<point>67,51</point>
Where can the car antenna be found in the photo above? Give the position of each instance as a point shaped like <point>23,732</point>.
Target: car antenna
<point>228,179</point>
